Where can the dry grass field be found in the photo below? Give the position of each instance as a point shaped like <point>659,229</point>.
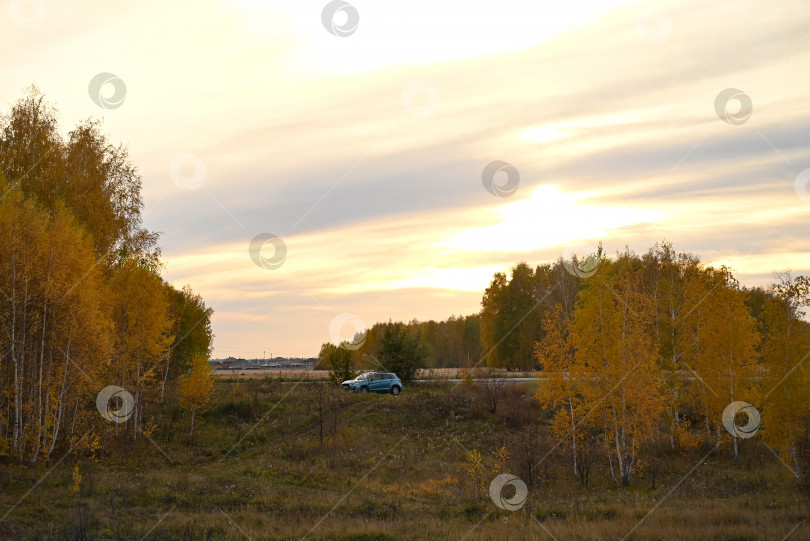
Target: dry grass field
<point>264,464</point>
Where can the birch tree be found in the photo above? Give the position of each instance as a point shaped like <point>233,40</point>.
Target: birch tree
<point>614,347</point>
<point>786,382</point>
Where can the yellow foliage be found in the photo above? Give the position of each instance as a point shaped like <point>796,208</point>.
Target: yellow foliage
<point>685,439</point>
<point>474,469</point>
<point>76,480</point>
<point>501,457</point>
<point>197,385</point>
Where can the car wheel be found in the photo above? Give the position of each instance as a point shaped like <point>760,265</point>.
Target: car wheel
<point>394,390</point>
<point>363,389</point>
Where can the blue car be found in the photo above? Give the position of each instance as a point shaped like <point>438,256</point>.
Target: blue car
<point>374,382</point>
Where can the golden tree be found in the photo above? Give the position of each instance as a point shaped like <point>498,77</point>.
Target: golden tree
<point>562,385</point>
<point>196,387</point>
<point>724,339</point>
<point>475,470</point>
<point>615,352</point>
<point>786,346</point>
<point>664,281</point>
<point>142,335</point>
<point>54,331</point>
<point>82,304</point>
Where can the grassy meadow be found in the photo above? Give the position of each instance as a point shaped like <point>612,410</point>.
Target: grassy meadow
<point>285,460</point>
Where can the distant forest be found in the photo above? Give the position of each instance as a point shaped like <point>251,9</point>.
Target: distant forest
<point>510,325</point>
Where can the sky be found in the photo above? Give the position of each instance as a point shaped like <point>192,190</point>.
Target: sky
<point>315,167</point>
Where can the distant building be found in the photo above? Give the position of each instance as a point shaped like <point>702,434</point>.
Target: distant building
<point>233,363</point>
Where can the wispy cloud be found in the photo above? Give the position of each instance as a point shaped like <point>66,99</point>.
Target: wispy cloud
<point>615,138</point>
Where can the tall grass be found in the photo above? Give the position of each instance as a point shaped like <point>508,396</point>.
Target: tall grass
<point>389,468</point>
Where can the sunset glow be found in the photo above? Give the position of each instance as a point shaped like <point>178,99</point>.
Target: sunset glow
<point>375,186</point>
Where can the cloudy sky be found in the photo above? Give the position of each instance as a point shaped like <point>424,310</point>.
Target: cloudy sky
<point>358,135</point>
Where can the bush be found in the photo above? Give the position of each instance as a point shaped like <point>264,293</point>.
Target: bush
<point>338,360</point>
<point>244,410</point>
<point>400,352</point>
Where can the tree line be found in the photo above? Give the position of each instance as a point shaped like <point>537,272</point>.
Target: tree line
<point>637,349</point>
<point>404,348</point>
<point>82,304</point>
<point>660,346</point>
